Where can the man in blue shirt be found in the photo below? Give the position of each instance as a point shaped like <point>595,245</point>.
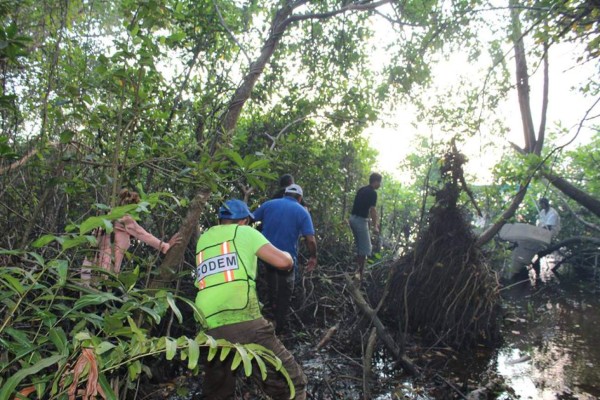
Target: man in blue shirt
<point>283,222</point>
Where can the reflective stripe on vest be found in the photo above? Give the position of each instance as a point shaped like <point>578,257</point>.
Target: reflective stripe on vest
<point>199,259</point>
<point>228,274</point>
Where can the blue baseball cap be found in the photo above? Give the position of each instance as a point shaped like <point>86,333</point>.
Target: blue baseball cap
<point>234,209</point>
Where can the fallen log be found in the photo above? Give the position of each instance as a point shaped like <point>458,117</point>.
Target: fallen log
<point>385,337</point>
<point>557,246</point>
<point>566,243</point>
<point>330,332</point>
<point>367,364</point>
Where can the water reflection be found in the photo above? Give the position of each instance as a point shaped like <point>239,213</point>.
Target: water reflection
<point>552,350</point>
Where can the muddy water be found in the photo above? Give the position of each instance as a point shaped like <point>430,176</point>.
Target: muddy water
<point>552,340</point>
<point>551,343</point>
<point>550,348</point>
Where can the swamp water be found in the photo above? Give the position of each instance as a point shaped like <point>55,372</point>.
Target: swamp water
<point>550,348</point>
<point>552,340</point>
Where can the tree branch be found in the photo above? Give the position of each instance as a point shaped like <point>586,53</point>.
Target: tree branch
<point>231,33</point>
<point>579,217</point>
<point>22,161</point>
<point>581,197</point>
<point>360,6</point>
<point>389,342</point>
<point>281,132</point>
<point>522,79</point>
<point>489,233</point>
<point>542,131</point>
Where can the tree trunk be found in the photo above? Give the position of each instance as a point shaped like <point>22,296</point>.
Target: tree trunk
<point>522,77</point>
<point>489,233</point>
<point>587,201</point>
<point>168,268</point>
<point>532,145</point>
<point>283,18</point>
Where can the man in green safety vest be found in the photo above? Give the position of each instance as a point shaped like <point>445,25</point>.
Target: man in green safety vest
<point>226,268</point>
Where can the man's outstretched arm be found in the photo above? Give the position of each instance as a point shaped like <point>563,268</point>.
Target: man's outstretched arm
<point>275,257</point>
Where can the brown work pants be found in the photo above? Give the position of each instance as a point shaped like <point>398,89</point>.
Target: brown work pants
<point>219,380</point>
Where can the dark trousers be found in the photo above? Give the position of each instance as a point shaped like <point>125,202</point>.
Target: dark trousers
<point>219,380</point>
<point>276,294</point>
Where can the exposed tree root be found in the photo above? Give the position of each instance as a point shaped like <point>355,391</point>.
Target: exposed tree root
<point>387,339</point>
<point>444,289</point>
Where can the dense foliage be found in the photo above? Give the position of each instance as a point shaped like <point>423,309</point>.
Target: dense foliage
<point>100,95</point>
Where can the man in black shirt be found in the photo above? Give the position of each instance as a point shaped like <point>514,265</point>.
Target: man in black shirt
<point>363,208</point>
<point>284,181</point>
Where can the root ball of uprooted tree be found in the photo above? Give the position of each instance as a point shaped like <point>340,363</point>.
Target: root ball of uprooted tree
<point>444,289</point>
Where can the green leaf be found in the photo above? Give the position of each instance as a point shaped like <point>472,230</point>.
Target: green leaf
<point>40,389</point>
<point>237,359</point>
<point>13,283</point>
<point>11,252</point>
<point>59,339</point>
<point>10,385</point>
<point>102,207</point>
<point>224,352</point>
<point>129,278</point>
<point>43,241</point>
<point>81,336</point>
<point>152,313</point>
<point>291,386</point>
<point>173,306</point>
<point>235,157</point>
<point>212,351</point>
<point>62,269</point>
<point>112,323</point>
<point>108,391</point>
<point>121,211</point>
<point>104,347</point>
<point>40,260</point>
<point>93,299</point>
<point>244,355</point>
<point>177,36</point>
<point>66,136</point>
<point>74,242</point>
<point>171,346</point>
<point>134,328</point>
<point>197,313</point>
<point>209,339</point>
<point>134,369</point>
<point>194,353</point>
<point>95,222</point>
<point>259,164</point>
<point>261,364</point>
<point>20,336</point>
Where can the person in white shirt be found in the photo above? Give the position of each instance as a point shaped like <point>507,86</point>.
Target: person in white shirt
<point>548,218</point>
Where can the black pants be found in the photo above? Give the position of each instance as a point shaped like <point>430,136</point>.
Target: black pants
<point>275,292</point>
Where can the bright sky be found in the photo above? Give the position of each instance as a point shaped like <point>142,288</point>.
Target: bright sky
<point>567,106</point>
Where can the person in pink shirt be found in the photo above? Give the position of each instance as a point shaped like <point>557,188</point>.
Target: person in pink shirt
<point>110,255</point>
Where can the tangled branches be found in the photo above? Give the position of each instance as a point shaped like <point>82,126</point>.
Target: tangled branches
<point>444,289</point>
